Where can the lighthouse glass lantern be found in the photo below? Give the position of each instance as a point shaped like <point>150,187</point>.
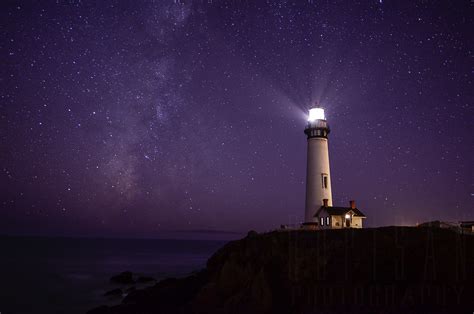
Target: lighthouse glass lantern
<point>316,114</point>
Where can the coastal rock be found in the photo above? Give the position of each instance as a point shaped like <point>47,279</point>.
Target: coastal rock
<point>252,233</point>
<point>145,279</point>
<point>124,278</point>
<point>113,293</point>
<point>402,269</point>
<point>103,309</point>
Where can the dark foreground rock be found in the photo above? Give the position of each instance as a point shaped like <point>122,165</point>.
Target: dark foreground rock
<point>145,279</point>
<point>113,293</point>
<point>125,278</point>
<point>390,270</point>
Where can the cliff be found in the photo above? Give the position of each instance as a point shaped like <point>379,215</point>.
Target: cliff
<point>390,269</point>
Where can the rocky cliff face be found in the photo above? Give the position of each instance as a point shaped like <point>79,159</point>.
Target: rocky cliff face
<point>392,269</point>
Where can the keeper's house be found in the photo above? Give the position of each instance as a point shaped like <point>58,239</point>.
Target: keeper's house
<point>329,217</point>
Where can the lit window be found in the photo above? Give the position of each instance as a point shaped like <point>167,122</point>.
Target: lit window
<point>327,221</point>
<point>322,221</point>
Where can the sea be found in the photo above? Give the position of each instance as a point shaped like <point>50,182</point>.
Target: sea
<point>70,275</point>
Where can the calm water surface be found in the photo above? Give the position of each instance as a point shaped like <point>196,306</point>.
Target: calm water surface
<point>70,275</point>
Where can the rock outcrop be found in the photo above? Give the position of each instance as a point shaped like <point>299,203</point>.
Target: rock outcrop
<point>392,269</point>
<point>114,293</point>
<point>124,278</point>
<point>145,279</point>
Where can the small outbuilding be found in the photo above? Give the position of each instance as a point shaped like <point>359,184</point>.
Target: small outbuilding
<point>330,217</point>
<point>467,226</point>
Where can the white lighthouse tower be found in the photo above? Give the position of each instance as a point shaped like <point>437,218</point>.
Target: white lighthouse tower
<point>318,177</point>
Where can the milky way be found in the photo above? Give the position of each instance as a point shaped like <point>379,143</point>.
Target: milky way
<point>134,118</point>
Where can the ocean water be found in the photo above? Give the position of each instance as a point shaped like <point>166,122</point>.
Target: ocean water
<point>70,275</point>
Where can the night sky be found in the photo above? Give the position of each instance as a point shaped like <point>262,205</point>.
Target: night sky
<point>135,118</point>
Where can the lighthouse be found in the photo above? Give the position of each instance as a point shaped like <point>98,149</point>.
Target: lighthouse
<point>318,176</point>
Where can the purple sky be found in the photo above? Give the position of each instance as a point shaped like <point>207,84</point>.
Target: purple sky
<point>138,118</point>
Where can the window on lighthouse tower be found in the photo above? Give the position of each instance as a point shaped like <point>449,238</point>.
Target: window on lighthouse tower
<point>324,180</point>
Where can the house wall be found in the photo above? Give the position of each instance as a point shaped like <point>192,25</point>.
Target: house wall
<point>324,214</point>
<point>336,222</point>
<point>324,226</point>
<point>356,222</point>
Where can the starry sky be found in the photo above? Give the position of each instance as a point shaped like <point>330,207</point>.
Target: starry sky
<point>135,118</point>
